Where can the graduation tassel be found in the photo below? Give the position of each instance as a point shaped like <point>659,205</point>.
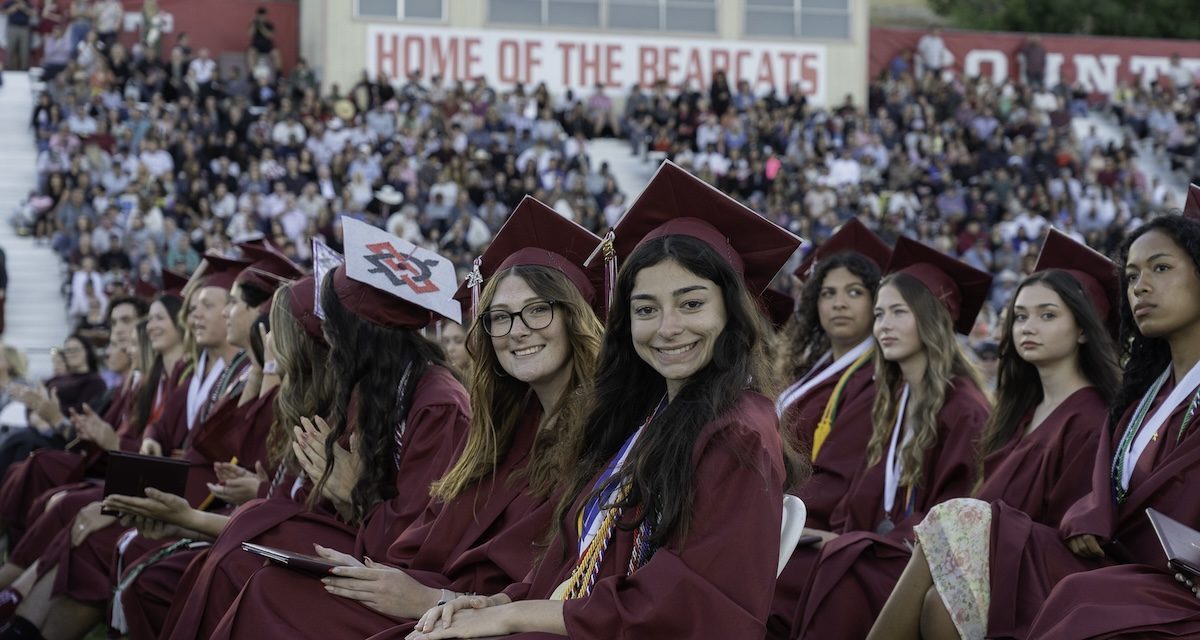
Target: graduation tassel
<point>610,269</point>
<point>475,284</point>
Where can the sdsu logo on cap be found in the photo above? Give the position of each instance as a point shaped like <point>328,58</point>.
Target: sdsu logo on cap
<point>400,268</point>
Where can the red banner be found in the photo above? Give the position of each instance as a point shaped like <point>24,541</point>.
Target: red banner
<point>1098,63</point>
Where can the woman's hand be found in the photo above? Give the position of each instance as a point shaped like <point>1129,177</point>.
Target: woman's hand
<point>385,589</point>
<point>157,505</point>
<point>93,428</point>
<point>1085,546</point>
<point>88,521</point>
<point>237,486</point>
<point>151,447</point>
<point>444,615</point>
<point>309,447</point>
<point>152,529</point>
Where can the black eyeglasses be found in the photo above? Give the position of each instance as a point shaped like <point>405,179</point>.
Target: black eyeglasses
<point>535,315</point>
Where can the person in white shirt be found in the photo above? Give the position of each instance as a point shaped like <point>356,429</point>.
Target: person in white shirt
<point>81,123</point>
<point>224,204</point>
<point>288,132</point>
<point>204,68</point>
<point>276,202</point>
<point>156,161</point>
<point>844,170</point>
<point>932,54</point>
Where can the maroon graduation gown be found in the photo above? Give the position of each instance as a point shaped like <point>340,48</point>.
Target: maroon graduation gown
<point>481,541</point>
<point>1164,478</point>
<point>714,583</point>
<point>86,573</point>
<point>839,459</point>
<point>800,418</point>
<point>857,570</point>
<point>1121,601</point>
<point>229,431</point>
<point>436,424</point>
<point>46,469</point>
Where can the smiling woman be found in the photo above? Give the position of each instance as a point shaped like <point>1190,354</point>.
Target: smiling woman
<point>682,458</point>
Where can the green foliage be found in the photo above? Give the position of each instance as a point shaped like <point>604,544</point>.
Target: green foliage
<point>1135,18</point>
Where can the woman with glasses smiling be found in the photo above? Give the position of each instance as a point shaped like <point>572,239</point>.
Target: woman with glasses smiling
<point>534,342</point>
<point>670,525</point>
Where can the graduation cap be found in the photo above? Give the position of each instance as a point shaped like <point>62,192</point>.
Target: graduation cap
<point>1192,207</point>
<point>677,203</point>
<point>536,234</point>
<point>219,271</point>
<point>853,236</point>
<point>778,306</point>
<point>268,268</point>
<point>302,295</point>
<point>173,283</point>
<point>957,285</point>
<point>392,282</point>
<point>1094,272</point>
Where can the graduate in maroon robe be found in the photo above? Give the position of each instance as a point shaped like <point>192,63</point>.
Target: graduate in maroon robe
<point>830,352</point>
<point>49,468</point>
<point>404,436</point>
<point>922,449</point>
<point>1057,370</point>
<point>480,532</point>
<point>633,556</point>
<point>77,571</point>
<point>161,338</point>
<point>1161,315</point>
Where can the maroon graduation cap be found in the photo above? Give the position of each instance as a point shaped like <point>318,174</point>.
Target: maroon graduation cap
<point>677,203</point>
<point>219,271</point>
<point>173,283</point>
<point>1094,272</point>
<point>854,236</point>
<point>537,235</point>
<point>392,282</point>
<point>268,268</point>
<point>778,306</point>
<point>301,296</point>
<point>1192,207</point>
<point>957,285</point>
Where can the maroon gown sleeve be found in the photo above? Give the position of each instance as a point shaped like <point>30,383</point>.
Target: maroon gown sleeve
<point>718,580</point>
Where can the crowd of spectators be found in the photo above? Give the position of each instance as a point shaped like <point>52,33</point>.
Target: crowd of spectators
<point>976,169</point>
<point>146,161</point>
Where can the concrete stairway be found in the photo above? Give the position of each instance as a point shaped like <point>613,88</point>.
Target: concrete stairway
<point>34,310</point>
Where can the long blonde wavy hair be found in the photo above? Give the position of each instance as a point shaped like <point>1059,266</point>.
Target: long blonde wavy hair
<point>306,384</point>
<point>498,400</point>
<point>945,361</point>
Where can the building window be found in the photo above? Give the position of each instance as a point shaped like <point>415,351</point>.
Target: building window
<point>686,16</point>
<point>400,9</point>
<point>828,19</point>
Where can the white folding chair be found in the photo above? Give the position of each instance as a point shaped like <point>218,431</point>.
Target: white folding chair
<point>794,515</point>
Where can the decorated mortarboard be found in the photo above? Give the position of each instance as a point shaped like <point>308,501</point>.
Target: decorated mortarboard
<point>677,203</point>
<point>537,235</point>
<point>1191,208</point>
<point>957,285</point>
<point>1094,272</point>
<point>325,260</point>
<point>778,306</point>
<point>302,295</point>
<point>392,282</point>
<point>853,236</point>
<point>268,268</point>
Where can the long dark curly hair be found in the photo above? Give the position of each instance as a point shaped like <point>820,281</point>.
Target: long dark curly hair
<point>806,339</point>
<point>368,362</point>
<point>1145,357</point>
<point>627,389</point>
